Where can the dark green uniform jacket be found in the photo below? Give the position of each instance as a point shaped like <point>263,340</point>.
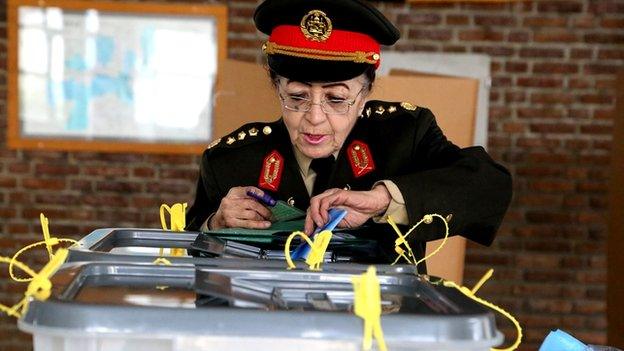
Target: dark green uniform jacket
<point>407,147</point>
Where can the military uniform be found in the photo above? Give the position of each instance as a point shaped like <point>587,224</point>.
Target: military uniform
<point>390,141</point>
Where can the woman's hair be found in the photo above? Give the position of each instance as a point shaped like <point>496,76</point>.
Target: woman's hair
<point>369,74</point>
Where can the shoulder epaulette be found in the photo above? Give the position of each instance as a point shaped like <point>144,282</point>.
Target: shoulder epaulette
<point>381,109</point>
<point>247,134</point>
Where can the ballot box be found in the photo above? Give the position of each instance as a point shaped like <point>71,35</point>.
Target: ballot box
<point>138,306</point>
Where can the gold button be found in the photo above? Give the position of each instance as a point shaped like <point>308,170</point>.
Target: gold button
<point>253,132</point>
<point>230,140</point>
<point>290,201</point>
<point>428,219</point>
<point>408,106</point>
<point>449,217</point>
<point>241,135</point>
<point>266,130</point>
<point>347,187</point>
<point>272,160</point>
<point>376,57</point>
<point>356,148</point>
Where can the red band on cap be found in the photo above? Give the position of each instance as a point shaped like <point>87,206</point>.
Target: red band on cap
<point>339,42</point>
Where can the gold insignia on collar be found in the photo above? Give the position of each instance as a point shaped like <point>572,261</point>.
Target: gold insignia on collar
<point>253,132</point>
<point>241,135</point>
<point>380,110</point>
<point>230,140</point>
<point>316,26</point>
<point>266,130</point>
<point>214,143</point>
<point>392,109</point>
<point>408,106</point>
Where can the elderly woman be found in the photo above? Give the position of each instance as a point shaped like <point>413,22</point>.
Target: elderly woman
<point>333,147</point>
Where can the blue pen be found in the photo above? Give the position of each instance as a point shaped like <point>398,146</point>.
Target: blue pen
<point>335,216</point>
<point>265,199</point>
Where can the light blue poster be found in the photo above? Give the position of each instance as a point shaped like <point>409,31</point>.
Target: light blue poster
<point>98,75</point>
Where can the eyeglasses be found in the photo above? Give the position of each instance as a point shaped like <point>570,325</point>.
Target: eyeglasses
<point>335,106</point>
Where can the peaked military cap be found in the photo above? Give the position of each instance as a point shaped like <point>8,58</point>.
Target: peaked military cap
<point>323,40</point>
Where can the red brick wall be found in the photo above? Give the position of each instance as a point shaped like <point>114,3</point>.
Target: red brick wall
<point>551,111</point>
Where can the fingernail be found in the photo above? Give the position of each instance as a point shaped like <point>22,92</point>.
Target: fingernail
<point>267,224</point>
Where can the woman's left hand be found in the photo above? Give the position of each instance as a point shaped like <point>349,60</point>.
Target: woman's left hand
<point>360,206</point>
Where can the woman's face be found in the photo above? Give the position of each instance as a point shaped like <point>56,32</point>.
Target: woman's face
<point>317,133</point>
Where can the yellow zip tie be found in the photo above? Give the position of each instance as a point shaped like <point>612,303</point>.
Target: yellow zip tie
<point>471,294</point>
<point>367,305</point>
<point>177,215</point>
<point>482,281</point>
<point>318,248</point>
<point>46,234</point>
<point>40,287</point>
<point>162,261</point>
<point>48,241</point>
<point>401,240</point>
<point>13,310</point>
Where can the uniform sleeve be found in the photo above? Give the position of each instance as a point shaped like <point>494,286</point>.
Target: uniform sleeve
<point>445,179</point>
<point>396,209</point>
<point>207,196</point>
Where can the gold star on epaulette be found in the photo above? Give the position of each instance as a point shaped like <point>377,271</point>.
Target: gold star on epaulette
<point>214,143</point>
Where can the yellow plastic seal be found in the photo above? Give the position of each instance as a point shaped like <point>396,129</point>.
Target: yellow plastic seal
<point>402,239</point>
<point>49,243</point>
<point>367,305</point>
<point>40,285</point>
<point>177,218</point>
<point>470,293</point>
<point>318,248</point>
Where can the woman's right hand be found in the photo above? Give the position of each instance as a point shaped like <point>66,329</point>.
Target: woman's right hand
<point>237,209</point>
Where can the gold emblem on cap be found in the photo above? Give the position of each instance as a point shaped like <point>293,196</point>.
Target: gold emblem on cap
<point>316,26</point>
<point>253,132</point>
<point>230,140</point>
<point>266,130</point>
<point>408,106</point>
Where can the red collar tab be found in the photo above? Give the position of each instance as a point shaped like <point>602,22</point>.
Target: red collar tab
<point>271,173</point>
<point>340,45</point>
<point>360,158</point>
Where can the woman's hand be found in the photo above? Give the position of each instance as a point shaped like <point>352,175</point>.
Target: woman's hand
<point>237,209</point>
<point>360,206</point>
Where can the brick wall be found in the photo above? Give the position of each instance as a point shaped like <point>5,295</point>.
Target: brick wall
<point>551,111</point>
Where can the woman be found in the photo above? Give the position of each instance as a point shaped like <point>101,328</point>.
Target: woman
<point>334,148</point>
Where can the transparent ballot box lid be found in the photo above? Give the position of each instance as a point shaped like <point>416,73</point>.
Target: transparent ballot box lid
<point>145,245</point>
<point>132,306</point>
